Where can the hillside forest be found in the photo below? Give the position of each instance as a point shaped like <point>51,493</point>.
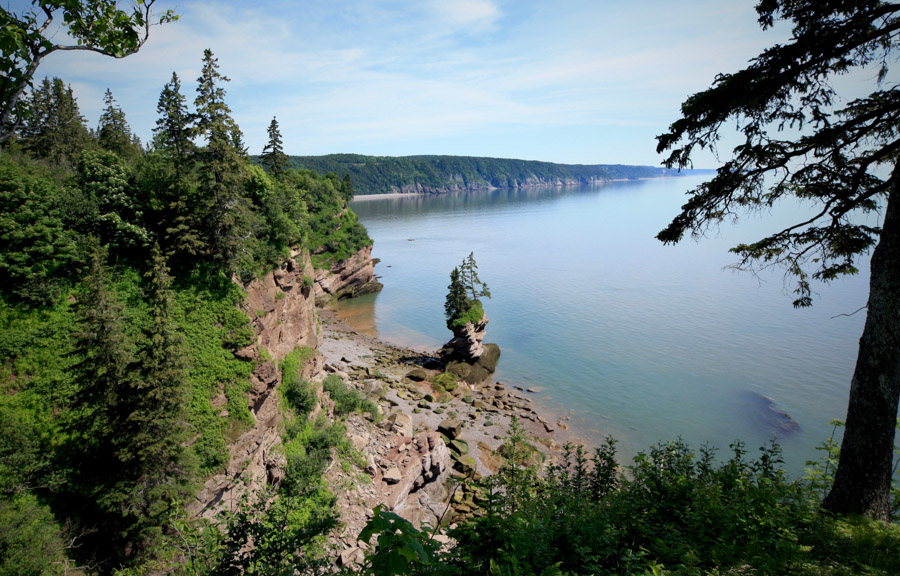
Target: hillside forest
<point>120,279</point>
<point>435,174</point>
<point>123,268</point>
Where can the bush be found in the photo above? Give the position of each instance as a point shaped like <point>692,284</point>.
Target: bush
<point>299,395</point>
<point>347,399</point>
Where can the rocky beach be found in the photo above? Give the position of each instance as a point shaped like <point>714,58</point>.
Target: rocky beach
<point>426,441</point>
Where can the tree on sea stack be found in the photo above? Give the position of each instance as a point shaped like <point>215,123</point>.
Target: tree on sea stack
<point>471,359</point>
<point>801,139</point>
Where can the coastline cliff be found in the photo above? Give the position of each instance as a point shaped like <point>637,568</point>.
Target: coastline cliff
<point>440,174</point>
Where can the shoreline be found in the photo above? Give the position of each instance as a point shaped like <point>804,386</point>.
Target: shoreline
<point>361,359</point>
<point>390,195</point>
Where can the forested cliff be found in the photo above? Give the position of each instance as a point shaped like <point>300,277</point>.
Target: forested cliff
<point>435,174</point>
<point>148,297</point>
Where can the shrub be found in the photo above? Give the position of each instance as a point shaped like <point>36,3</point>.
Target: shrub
<point>299,395</point>
<point>347,399</point>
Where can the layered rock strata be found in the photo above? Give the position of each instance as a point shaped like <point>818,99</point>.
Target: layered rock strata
<point>348,278</point>
<point>282,307</point>
<point>467,356</point>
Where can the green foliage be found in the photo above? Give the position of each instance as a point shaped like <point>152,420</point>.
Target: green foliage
<point>205,310</point>
<point>114,133</point>
<point>273,158</point>
<point>347,399</point>
<point>400,547</point>
<point>54,130</point>
<point>673,512</point>
<point>103,178</point>
<point>28,35</point>
<point>462,305</point>
<point>38,247</point>
<point>110,367</point>
<point>382,175</point>
<point>30,542</point>
<point>299,394</point>
<point>172,134</point>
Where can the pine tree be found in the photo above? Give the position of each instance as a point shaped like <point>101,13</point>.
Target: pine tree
<point>273,158</point>
<point>839,157</point>
<point>214,121</point>
<point>172,134</point>
<point>462,304</point>
<point>226,214</point>
<point>456,304</point>
<point>152,445</point>
<point>104,355</point>
<point>347,188</point>
<point>55,130</point>
<point>113,132</point>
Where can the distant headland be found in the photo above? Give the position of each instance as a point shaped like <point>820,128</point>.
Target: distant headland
<point>439,174</point>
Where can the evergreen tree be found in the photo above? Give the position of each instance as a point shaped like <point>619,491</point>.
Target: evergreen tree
<point>347,188</point>
<point>462,304</point>
<point>456,304</point>
<point>152,445</point>
<point>113,132</point>
<point>273,158</point>
<point>226,213</point>
<point>836,157</point>
<point>172,134</point>
<point>94,492</point>
<point>55,130</point>
<point>104,355</point>
<point>468,275</point>
<point>213,117</point>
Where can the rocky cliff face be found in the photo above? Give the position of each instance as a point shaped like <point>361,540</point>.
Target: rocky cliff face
<point>460,185</point>
<point>282,308</point>
<point>354,276</point>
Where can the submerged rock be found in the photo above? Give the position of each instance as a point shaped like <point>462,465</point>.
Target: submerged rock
<point>767,414</point>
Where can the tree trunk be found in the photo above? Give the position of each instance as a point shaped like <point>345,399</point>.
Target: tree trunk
<point>862,483</point>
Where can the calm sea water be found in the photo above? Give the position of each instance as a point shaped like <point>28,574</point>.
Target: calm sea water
<point>625,336</point>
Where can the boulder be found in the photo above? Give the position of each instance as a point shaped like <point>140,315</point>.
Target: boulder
<point>402,424</point>
<point>411,464</point>
<point>417,375</point>
<point>392,476</point>
<point>451,428</point>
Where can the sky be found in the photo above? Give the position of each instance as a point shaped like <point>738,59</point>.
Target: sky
<point>568,81</point>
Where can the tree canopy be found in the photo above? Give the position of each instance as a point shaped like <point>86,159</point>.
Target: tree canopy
<point>462,305</point>
<point>29,36</point>
<point>801,141</point>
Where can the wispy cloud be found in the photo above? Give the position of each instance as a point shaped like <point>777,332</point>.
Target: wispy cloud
<point>407,76</point>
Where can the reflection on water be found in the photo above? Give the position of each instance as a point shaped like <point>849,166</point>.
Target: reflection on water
<point>358,314</point>
<point>639,340</point>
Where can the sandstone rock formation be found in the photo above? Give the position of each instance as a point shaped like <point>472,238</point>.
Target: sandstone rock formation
<point>254,455</point>
<point>282,308</point>
<point>467,356</point>
<point>354,276</point>
<point>406,464</point>
<point>467,343</point>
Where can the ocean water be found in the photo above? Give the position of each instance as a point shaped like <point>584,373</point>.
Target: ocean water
<point>619,333</point>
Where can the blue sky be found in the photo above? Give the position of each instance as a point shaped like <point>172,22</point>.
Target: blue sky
<point>572,81</point>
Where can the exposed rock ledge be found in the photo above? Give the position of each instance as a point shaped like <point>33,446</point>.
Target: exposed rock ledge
<point>467,356</point>
<point>282,309</point>
<point>348,278</point>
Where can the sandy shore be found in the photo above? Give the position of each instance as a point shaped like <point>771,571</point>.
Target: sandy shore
<point>365,360</point>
